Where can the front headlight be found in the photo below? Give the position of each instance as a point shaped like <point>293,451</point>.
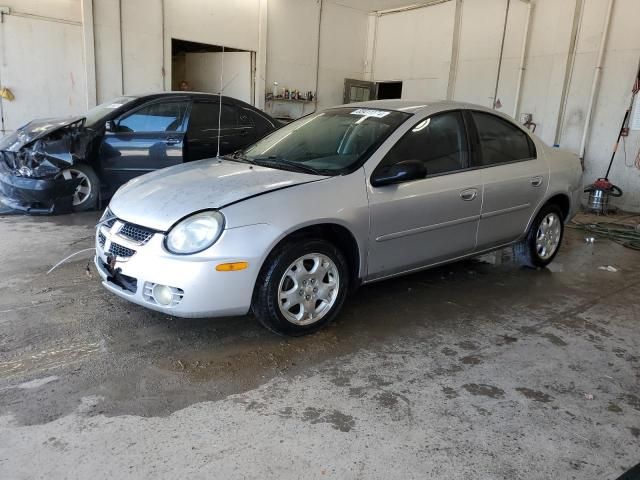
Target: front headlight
<point>195,233</point>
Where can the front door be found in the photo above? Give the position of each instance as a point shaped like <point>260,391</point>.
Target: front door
<point>145,139</point>
<point>427,221</point>
<point>515,179</point>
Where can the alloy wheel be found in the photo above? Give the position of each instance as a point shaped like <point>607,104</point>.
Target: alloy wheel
<point>308,289</point>
<point>548,236</point>
<point>83,190</point>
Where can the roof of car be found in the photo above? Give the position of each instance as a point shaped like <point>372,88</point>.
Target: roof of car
<point>179,93</point>
<point>412,106</point>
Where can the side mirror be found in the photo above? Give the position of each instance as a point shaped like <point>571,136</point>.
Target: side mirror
<point>110,126</point>
<point>398,173</point>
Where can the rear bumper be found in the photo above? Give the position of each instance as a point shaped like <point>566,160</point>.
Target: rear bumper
<point>36,195</point>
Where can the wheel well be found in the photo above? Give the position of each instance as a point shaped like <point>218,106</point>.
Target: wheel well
<point>339,236</point>
<point>563,202</point>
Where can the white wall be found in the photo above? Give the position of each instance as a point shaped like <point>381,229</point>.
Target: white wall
<point>147,63</point>
<point>400,36</point>
<point>205,69</point>
<point>42,60</point>
<point>415,47</point>
<point>292,46</point>
<point>106,27</point>
<point>342,50</point>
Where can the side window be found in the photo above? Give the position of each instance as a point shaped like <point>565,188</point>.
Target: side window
<point>501,142</point>
<point>229,117</point>
<point>204,117</point>
<point>439,141</point>
<point>156,117</point>
<point>243,118</point>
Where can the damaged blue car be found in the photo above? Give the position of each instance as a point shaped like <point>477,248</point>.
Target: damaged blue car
<point>72,164</point>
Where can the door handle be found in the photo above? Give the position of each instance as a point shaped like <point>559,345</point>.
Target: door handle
<point>171,141</point>
<point>536,181</point>
<point>469,194</point>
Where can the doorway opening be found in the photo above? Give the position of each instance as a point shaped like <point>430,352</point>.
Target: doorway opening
<point>199,66</point>
<point>389,90</point>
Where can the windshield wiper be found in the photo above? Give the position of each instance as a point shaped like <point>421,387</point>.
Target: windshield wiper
<point>239,157</point>
<point>274,161</point>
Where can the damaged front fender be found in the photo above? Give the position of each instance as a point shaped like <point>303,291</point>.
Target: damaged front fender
<point>36,195</point>
<point>33,158</point>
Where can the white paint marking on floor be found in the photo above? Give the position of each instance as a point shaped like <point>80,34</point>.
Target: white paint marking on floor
<point>38,382</point>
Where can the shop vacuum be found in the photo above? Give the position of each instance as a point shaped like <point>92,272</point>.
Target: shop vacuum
<point>602,189</point>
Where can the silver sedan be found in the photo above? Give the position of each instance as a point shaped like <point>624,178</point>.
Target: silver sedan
<point>351,195</point>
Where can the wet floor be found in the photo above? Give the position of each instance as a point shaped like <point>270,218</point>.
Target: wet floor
<point>481,354</point>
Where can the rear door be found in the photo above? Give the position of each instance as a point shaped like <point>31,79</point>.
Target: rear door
<point>423,222</point>
<point>515,179</point>
<point>202,135</point>
<point>145,139</point>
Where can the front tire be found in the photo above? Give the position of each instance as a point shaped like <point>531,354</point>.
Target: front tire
<point>543,240</point>
<point>86,195</point>
<point>301,287</point>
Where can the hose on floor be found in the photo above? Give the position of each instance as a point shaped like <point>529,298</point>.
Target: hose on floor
<point>625,235</point>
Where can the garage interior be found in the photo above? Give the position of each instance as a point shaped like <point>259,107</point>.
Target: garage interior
<point>480,368</point>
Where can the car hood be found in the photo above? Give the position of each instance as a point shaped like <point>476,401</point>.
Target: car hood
<point>34,130</point>
<point>159,199</point>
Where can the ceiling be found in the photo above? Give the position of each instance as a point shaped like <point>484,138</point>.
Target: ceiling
<point>375,5</point>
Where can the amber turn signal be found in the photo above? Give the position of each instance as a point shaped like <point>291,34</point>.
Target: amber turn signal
<point>232,267</point>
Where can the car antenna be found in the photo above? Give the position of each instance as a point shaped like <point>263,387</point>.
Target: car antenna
<point>220,98</point>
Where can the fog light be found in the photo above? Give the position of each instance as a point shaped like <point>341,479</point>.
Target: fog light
<point>162,294</point>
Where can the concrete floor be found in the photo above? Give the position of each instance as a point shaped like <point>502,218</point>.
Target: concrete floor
<point>475,370</point>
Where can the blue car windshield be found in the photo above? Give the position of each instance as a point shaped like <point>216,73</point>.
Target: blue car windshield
<point>332,142</point>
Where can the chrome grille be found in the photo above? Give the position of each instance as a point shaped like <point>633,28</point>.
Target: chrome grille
<point>120,251</point>
<point>135,233</point>
<point>109,223</point>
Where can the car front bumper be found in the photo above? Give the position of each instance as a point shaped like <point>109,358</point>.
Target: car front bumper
<point>36,195</point>
<point>199,289</point>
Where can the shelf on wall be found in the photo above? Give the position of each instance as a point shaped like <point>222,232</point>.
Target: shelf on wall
<point>294,100</point>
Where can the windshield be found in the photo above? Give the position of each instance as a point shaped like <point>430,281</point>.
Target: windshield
<point>98,114</point>
<point>328,143</point>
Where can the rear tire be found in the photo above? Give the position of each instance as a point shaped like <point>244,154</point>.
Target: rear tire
<point>86,195</point>
<point>543,239</point>
<point>301,287</point>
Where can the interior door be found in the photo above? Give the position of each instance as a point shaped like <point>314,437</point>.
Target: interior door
<point>426,221</point>
<point>515,179</point>
<point>145,139</point>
